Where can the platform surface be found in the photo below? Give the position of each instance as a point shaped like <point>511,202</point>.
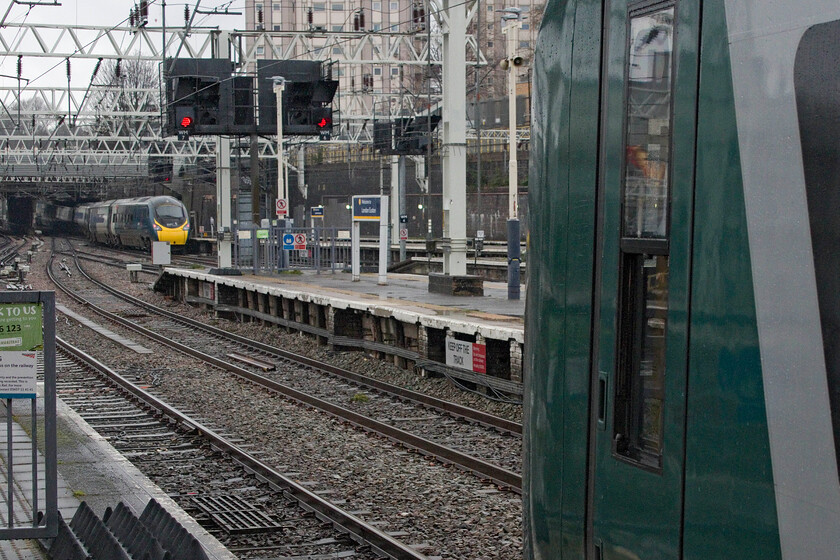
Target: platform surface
<point>408,292</point>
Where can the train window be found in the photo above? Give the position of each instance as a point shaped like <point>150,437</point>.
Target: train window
<point>647,137</point>
<point>816,83</point>
<point>169,211</point>
<point>644,264</point>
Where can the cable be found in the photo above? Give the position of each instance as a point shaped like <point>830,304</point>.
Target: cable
<point>338,43</point>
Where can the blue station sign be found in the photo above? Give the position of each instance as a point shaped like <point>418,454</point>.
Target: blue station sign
<point>316,211</point>
<point>367,208</point>
<point>288,241</point>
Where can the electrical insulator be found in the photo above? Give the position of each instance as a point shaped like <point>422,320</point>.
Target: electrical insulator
<point>259,16</point>
<point>131,18</point>
<point>144,9</point>
<point>20,65</point>
<point>355,22</point>
<point>362,18</point>
<point>68,67</point>
<point>423,16</point>
<point>118,69</point>
<point>415,15</point>
<point>186,13</point>
<point>309,18</point>
<point>96,68</point>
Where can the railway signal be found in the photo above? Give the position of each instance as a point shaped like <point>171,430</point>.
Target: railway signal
<point>185,117</point>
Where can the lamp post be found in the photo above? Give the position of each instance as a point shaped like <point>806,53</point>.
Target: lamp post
<point>512,17</point>
<point>279,86</point>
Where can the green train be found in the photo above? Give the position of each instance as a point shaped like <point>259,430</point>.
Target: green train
<point>682,394</point>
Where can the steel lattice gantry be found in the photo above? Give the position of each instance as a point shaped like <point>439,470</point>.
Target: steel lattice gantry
<point>52,130</point>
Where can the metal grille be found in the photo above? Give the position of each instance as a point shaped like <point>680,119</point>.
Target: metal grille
<point>234,515</point>
<point>275,249</point>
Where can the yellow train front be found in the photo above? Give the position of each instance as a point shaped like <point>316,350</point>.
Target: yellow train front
<point>137,222</point>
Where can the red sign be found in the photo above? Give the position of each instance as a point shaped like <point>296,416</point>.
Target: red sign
<point>281,205</point>
<point>479,358</point>
<point>300,241</point>
<point>403,234</point>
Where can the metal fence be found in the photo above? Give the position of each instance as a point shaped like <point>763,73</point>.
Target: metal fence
<point>30,498</point>
<point>275,249</point>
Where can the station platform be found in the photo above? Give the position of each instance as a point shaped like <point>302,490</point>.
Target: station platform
<point>400,321</point>
<point>89,469</point>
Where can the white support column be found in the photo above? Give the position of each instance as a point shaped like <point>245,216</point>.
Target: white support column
<point>512,32</point>
<point>355,252</point>
<point>301,174</point>
<point>282,187</point>
<point>383,242</point>
<point>396,195</point>
<point>455,138</point>
<point>223,217</point>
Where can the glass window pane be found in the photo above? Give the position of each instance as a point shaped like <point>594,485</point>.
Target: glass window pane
<point>648,137</point>
<point>640,388</point>
<point>651,383</point>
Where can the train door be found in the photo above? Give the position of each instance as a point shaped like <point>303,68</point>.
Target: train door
<point>640,338</point>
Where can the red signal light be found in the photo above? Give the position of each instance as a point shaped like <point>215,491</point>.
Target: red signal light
<point>186,122</point>
<point>323,122</point>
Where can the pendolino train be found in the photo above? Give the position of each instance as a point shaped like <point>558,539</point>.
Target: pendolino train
<point>682,391</point>
<point>128,222</point>
<point>136,222</point>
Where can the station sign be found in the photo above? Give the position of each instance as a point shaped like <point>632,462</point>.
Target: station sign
<point>466,355</point>
<point>21,335</point>
<point>282,206</point>
<point>316,212</point>
<point>367,208</point>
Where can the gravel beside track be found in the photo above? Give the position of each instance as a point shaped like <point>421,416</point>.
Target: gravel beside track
<point>423,501</point>
<point>191,472</point>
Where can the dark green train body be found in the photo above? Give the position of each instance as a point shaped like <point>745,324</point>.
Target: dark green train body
<point>683,313</point>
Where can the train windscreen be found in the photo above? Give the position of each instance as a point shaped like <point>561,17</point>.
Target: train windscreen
<point>170,215</point>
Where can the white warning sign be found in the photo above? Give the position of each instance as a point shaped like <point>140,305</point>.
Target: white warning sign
<point>18,375</point>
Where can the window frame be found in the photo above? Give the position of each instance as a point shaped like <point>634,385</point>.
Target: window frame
<point>632,305</point>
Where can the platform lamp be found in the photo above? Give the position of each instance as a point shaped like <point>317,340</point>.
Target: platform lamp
<point>512,18</point>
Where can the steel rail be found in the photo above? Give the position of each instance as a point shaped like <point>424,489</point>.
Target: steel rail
<point>488,420</point>
<point>482,468</point>
<point>324,510</point>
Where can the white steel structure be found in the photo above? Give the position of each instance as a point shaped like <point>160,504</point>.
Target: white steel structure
<point>66,134</point>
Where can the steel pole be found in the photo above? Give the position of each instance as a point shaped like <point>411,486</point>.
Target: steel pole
<point>513,231</point>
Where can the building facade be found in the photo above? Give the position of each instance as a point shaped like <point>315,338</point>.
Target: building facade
<point>393,89</point>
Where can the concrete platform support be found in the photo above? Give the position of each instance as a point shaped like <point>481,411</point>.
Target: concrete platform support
<point>289,312</point>
<point>422,342</point>
<point>274,308</point>
<point>330,317</point>
<point>515,361</point>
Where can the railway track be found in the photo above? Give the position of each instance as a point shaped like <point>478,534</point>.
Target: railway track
<point>258,511</point>
<point>472,440</point>
<point>421,500</point>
